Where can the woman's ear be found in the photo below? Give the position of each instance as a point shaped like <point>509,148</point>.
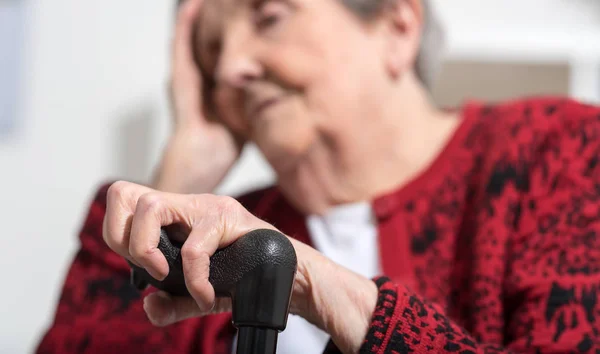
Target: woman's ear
<point>404,21</point>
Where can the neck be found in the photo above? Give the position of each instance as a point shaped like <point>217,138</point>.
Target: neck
<point>398,142</point>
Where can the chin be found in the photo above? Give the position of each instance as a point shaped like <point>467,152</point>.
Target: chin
<point>283,160</point>
<point>284,154</point>
<point>284,138</point>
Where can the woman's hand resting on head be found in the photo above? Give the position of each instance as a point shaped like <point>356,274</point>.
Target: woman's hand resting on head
<point>331,297</point>
<point>199,152</point>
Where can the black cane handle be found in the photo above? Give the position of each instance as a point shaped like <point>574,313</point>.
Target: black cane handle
<point>257,271</point>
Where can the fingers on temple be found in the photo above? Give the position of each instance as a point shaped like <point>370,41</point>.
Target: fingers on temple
<point>183,59</point>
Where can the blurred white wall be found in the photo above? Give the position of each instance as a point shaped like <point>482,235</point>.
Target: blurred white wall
<point>92,107</point>
<point>535,31</point>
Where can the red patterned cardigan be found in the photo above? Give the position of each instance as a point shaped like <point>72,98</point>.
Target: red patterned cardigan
<point>494,248</point>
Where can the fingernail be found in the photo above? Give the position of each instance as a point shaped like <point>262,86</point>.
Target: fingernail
<point>155,275</point>
<point>206,307</point>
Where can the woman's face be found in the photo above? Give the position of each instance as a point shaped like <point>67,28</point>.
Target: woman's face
<point>290,75</point>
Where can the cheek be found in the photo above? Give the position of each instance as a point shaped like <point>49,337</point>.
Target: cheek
<point>343,96</point>
<point>229,107</point>
<point>287,132</point>
<point>306,68</point>
<point>318,58</point>
<point>292,68</point>
<point>299,57</point>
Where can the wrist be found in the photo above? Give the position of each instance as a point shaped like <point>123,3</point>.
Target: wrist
<point>335,299</point>
<point>302,304</point>
<point>348,316</point>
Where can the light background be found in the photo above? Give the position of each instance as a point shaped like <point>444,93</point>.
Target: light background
<point>11,39</point>
<point>91,106</point>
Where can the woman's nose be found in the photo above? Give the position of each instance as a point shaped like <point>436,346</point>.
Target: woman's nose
<point>237,65</point>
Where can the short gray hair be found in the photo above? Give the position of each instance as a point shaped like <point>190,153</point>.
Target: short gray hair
<point>433,38</point>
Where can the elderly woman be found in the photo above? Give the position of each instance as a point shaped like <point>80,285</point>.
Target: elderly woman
<point>416,229</point>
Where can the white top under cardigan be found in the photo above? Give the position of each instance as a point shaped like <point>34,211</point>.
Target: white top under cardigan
<point>347,235</point>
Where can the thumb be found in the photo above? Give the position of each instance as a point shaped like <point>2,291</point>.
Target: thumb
<point>163,309</point>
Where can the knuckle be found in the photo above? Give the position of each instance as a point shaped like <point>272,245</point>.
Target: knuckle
<point>150,203</point>
<point>139,251</point>
<point>116,191</point>
<point>226,205</point>
<point>229,212</point>
<point>193,251</point>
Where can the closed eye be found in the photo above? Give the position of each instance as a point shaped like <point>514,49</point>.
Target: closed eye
<point>269,13</point>
<point>266,21</point>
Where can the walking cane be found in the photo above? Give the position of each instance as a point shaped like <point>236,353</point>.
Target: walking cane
<point>256,271</point>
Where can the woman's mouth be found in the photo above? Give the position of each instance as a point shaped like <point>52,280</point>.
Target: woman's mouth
<point>258,108</point>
